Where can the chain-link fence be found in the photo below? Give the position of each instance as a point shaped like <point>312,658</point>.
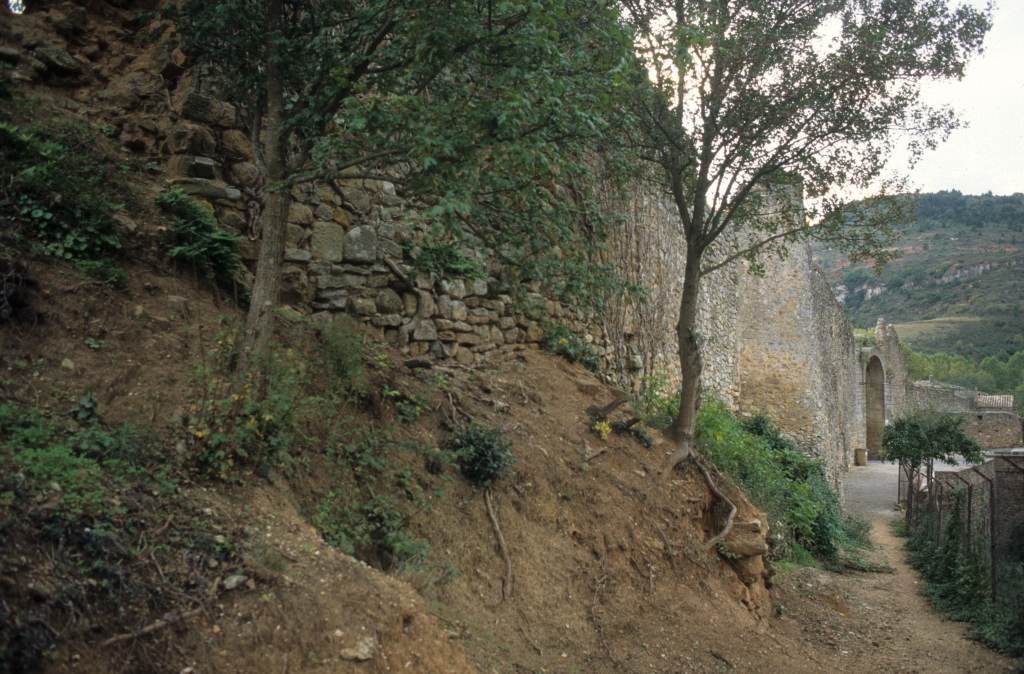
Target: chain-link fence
<point>980,509</point>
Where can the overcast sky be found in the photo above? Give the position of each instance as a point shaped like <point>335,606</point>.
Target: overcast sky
<point>989,153</point>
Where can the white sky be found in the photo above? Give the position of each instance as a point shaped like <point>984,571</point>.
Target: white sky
<point>989,153</point>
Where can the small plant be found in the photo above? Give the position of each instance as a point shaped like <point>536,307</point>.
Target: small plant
<point>343,349</point>
<point>198,240</point>
<point>59,185</point>
<point>483,454</point>
<point>601,429</point>
<point>447,260</point>
<point>559,340</point>
<point>369,520</point>
<point>657,404</point>
<point>244,420</point>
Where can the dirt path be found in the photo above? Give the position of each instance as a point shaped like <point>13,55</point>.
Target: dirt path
<point>880,622</point>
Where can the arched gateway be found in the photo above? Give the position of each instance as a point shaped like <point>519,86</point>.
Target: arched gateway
<point>874,401</point>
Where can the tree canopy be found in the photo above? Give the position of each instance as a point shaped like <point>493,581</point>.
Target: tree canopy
<point>748,106</point>
<point>922,437</point>
<point>492,112</point>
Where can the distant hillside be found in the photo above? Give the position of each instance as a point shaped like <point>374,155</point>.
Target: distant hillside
<point>958,284</point>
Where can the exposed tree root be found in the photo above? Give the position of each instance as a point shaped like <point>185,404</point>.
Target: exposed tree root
<point>166,621</point>
<point>506,582</point>
<point>686,454</point>
<point>717,538</point>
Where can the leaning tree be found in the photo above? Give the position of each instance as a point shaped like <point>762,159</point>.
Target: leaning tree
<point>743,101</point>
<point>492,111</point>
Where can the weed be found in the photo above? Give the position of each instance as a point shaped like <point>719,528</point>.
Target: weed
<point>560,340</point>
<point>244,420</point>
<point>198,240</point>
<point>601,429</point>
<point>370,520</point>
<point>445,259</point>
<point>58,184</point>
<point>483,454</point>
<point>343,349</point>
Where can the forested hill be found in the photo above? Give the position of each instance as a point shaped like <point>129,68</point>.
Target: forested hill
<point>958,283</point>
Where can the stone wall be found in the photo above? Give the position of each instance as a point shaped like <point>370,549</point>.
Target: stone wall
<point>798,360</point>
<point>994,430</point>
<point>778,344</point>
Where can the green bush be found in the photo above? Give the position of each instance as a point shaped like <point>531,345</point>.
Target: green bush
<point>657,404</point>
<point>483,454</point>
<point>561,341</point>
<point>343,348</point>
<point>59,182</point>
<point>959,581</point>
<point>197,239</point>
<point>244,420</point>
<point>370,519</point>
<point>77,467</point>
<point>445,260</point>
<point>792,487</point>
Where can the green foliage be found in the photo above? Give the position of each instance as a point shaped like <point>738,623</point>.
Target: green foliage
<point>959,582</point>
<point>494,112</point>
<point>445,260</point>
<point>244,420</point>
<point>73,466</point>
<point>561,341</point>
<point>924,436</point>
<point>483,454</point>
<point>791,486</point>
<point>198,240</point>
<point>657,404</point>
<point>370,520</point>
<point>956,286</point>
<point>59,184</point>
<point>991,375</point>
<point>343,348</point>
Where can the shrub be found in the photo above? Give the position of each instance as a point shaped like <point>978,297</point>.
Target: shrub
<point>343,349</point>
<point>656,403</point>
<point>559,340</point>
<point>198,240</point>
<point>483,454</point>
<point>791,486</point>
<point>59,185</point>
<point>246,420</point>
<point>445,259</point>
<point>368,520</point>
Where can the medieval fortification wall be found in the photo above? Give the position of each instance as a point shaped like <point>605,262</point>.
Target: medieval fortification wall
<point>779,344</point>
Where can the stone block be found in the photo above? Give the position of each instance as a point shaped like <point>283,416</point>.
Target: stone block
<point>297,255</point>
<point>426,307</point>
<point>191,139</point>
<point>477,287</point>
<point>236,146</point>
<point>456,288</point>
<point>386,320</point>
<point>323,212</point>
<point>461,326</point>
<point>246,174</point>
<point>203,167</point>
<point>203,108</point>
<point>409,304</point>
<point>446,335</point>
<point>444,306</point>
<point>300,213</point>
<point>388,301</point>
<point>364,306</point>
<point>361,244</point>
<point>328,241</point>
<point>295,235</point>
<point>459,312</point>
<point>425,331</point>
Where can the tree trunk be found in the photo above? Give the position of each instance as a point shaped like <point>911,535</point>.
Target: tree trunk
<point>259,327</point>
<point>690,360</point>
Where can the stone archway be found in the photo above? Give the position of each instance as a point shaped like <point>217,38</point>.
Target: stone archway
<point>874,400</point>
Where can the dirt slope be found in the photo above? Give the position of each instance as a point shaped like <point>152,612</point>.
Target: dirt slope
<point>610,571</point>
